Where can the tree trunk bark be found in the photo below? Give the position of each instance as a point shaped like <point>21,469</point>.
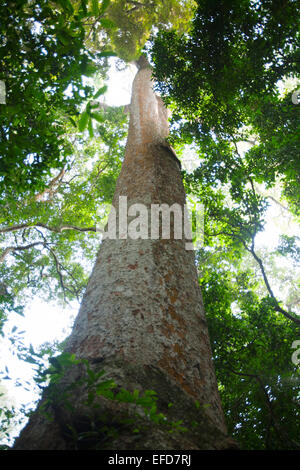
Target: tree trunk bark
<point>141,320</point>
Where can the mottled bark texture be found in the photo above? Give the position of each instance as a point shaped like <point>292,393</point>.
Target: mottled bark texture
<point>142,318</point>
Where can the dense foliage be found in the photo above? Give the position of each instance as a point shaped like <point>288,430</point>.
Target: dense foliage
<point>219,75</point>
<point>128,23</point>
<point>42,63</point>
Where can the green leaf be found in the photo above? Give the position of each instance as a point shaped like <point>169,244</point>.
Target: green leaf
<point>66,5</point>
<point>95,7</point>
<point>83,6</point>
<point>101,91</point>
<point>106,23</point>
<point>107,54</point>
<point>31,360</point>
<point>64,38</point>
<point>104,386</point>
<point>73,122</point>
<point>98,117</point>
<point>83,121</point>
<point>104,5</point>
<point>124,396</point>
<point>90,128</point>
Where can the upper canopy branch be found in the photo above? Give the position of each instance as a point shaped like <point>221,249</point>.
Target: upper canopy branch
<point>9,249</point>
<point>52,187</point>
<point>61,228</point>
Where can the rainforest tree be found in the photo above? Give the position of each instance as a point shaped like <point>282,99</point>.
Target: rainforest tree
<point>229,58</point>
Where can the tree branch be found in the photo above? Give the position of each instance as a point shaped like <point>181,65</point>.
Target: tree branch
<point>263,272</point>
<point>279,204</point>
<point>18,248</point>
<point>256,257</point>
<point>61,278</point>
<point>106,107</point>
<point>267,284</point>
<point>52,188</point>
<point>15,228</point>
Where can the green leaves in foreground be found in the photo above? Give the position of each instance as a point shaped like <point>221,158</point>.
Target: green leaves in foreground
<point>97,385</point>
<point>87,116</point>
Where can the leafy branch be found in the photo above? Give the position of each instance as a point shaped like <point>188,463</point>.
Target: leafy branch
<point>58,229</point>
<point>10,249</point>
<point>268,401</point>
<point>266,281</point>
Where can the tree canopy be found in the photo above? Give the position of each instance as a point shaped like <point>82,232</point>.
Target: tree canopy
<point>227,70</point>
<point>42,64</point>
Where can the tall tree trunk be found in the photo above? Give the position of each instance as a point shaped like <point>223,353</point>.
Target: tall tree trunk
<point>141,320</point>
